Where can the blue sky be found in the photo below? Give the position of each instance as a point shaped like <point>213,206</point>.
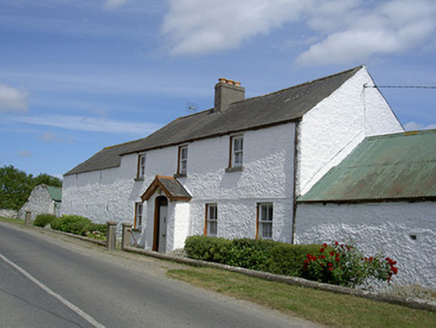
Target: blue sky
<point>79,75</point>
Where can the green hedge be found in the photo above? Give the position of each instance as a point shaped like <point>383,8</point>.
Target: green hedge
<point>78,225</point>
<point>43,219</point>
<point>256,254</point>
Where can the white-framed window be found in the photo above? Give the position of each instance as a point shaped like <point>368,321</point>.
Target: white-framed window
<point>138,215</point>
<point>237,151</point>
<point>183,160</point>
<point>141,166</point>
<point>211,225</point>
<point>264,220</point>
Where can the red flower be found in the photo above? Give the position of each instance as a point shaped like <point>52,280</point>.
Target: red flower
<point>332,253</point>
<point>330,265</point>
<point>337,259</point>
<point>324,245</point>
<point>321,250</point>
<point>331,269</point>
<point>336,243</point>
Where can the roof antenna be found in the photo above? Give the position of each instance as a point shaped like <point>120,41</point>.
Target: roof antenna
<point>191,107</point>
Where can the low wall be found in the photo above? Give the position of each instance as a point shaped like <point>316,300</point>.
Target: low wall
<point>11,214</point>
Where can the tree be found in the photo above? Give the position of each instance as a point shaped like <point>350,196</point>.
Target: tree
<point>16,186</point>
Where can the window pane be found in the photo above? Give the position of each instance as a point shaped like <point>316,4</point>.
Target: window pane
<point>184,154</point>
<point>265,220</point>
<point>212,219</point>
<point>238,144</point>
<point>183,165</point>
<point>212,228</point>
<point>141,172</point>
<point>266,230</point>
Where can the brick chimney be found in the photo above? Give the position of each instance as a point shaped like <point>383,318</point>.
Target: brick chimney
<point>226,93</point>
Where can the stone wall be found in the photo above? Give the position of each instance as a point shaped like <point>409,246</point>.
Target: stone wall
<point>11,214</point>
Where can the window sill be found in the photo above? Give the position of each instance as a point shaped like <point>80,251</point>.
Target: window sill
<point>235,169</point>
<point>138,179</point>
<point>137,230</point>
<point>180,175</point>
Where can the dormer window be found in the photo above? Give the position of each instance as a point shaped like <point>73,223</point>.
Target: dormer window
<point>141,166</point>
<point>183,160</point>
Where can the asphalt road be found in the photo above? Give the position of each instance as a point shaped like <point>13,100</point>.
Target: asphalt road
<point>48,280</point>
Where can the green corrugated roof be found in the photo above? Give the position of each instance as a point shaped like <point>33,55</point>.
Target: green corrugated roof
<point>55,193</point>
<point>390,167</point>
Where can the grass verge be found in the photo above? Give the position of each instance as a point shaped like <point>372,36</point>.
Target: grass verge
<point>322,307</point>
<point>16,221</point>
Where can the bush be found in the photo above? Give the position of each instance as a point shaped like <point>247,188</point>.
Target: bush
<point>70,223</point>
<point>80,225</point>
<point>288,260</point>
<point>207,248</point>
<point>249,253</point>
<point>95,230</point>
<point>255,254</point>
<point>345,265</point>
<point>43,219</point>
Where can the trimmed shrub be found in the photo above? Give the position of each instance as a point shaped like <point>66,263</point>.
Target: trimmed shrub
<point>249,253</point>
<point>70,223</point>
<point>207,248</point>
<point>287,259</point>
<point>43,219</point>
<point>255,254</point>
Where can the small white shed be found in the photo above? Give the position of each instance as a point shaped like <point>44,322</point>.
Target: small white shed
<point>42,200</point>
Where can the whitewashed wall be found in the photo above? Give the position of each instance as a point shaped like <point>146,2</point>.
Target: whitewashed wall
<point>378,227</point>
<point>334,127</point>
<point>267,177</point>
<point>39,202</point>
<point>104,195</point>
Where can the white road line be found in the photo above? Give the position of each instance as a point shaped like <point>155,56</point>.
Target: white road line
<point>74,308</point>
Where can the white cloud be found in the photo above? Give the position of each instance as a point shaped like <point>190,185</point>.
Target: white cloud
<point>52,137</point>
<point>81,123</point>
<point>113,4</point>
<point>25,153</point>
<point>13,100</point>
<point>197,27</point>
<point>389,28</point>
<point>412,126</point>
<point>346,30</point>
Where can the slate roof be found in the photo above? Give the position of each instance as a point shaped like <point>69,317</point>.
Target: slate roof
<point>399,166</point>
<point>275,108</point>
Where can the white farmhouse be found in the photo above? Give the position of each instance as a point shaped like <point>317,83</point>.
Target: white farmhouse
<point>235,170</point>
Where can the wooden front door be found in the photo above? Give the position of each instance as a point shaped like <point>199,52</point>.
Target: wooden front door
<point>160,224</point>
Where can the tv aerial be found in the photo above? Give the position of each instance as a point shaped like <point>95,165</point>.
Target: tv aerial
<point>191,107</point>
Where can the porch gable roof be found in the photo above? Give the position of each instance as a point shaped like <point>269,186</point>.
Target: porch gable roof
<point>170,186</point>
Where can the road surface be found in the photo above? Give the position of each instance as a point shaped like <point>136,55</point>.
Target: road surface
<point>50,280</point>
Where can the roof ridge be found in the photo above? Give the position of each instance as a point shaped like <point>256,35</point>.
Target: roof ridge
<point>302,84</point>
<point>401,134</point>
